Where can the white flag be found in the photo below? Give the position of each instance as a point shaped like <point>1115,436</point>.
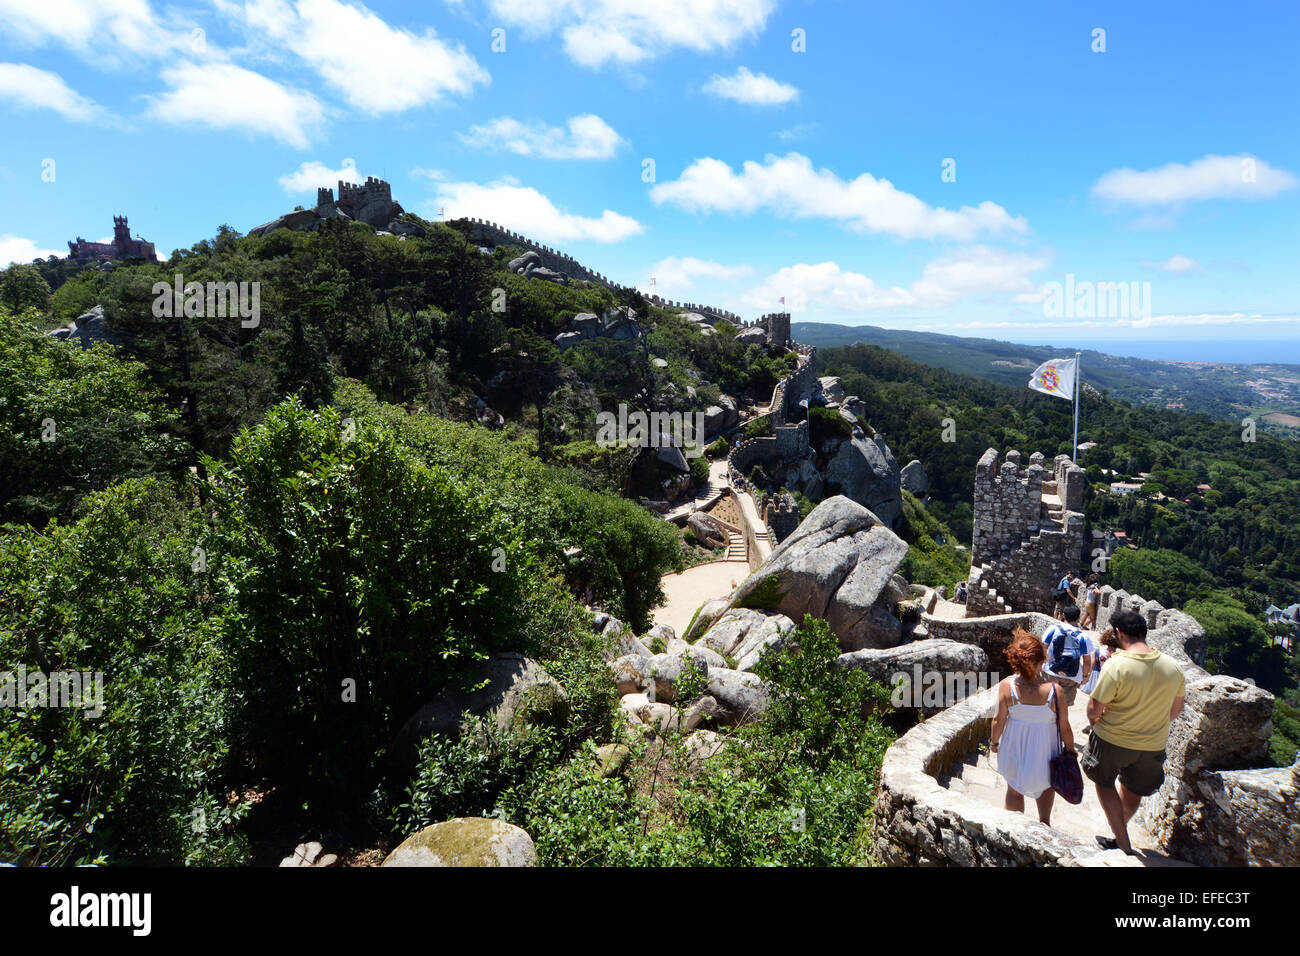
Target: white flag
<point>1055,377</point>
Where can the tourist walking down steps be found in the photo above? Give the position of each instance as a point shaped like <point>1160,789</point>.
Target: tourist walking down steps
<point>1138,695</point>
<point>1029,728</point>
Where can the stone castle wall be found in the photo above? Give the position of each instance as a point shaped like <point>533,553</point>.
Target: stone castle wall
<point>1218,806</point>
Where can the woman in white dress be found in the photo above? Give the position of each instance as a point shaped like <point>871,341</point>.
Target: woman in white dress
<point>1029,718</point>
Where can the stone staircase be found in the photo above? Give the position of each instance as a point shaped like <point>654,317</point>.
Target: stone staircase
<point>976,776</point>
<point>736,550</point>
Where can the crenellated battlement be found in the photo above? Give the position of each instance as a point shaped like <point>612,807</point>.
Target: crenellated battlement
<point>1027,531</point>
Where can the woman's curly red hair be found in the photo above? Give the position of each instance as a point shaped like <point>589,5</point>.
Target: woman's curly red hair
<point>1026,655</point>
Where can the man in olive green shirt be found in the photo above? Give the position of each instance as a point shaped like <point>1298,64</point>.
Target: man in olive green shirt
<point>1140,691</point>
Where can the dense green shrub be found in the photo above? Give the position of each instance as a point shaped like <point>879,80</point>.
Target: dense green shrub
<point>145,782</point>
<point>795,788</point>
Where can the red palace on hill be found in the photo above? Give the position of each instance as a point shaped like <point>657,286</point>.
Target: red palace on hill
<point>122,246</point>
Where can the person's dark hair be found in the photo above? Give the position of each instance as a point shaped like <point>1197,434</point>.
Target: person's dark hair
<point>1130,624</point>
<point>1092,578</point>
<point>1026,654</point>
<point>1072,613</point>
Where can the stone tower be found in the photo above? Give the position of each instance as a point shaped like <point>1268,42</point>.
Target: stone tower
<point>1028,531</point>
<point>777,325</point>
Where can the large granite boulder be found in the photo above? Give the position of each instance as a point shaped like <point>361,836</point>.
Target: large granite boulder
<point>519,263</point>
<point>838,565</point>
<point>746,636</point>
<point>466,841</point>
<point>752,336</point>
<point>516,692</point>
<point>924,675</point>
<point>864,470</point>
<point>586,324</point>
<point>741,697</point>
<point>914,479</point>
<point>832,388</point>
<point>401,227</point>
<point>706,528</point>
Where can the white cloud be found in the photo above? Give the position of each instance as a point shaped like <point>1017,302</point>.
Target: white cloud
<point>797,131</point>
<point>823,287</point>
<point>29,88</point>
<point>587,137</point>
<point>376,67</point>
<point>757,89</point>
<point>17,249</point>
<point>1210,177</point>
<point>978,270</point>
<point>597,33</point>
<point>227,97</point>
<point>1177,265</point>
<point>790,187</point>
<point>675,275</point>
<point>527,211</point>
<point>102,29</point>
<point>308,176</point>
<point>826,287</point>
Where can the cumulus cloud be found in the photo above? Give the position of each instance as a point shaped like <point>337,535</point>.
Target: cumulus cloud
<point>226,97</point>
<point>1176,265</point>
<point>756,89</point>
<point>597,33</point>
<point>587,137</point>
<point>678,274</point>
<point>1210,177</point>
<point>826,287</point>
<point>19,249</point>
<point>788,186</point>
<point>374,66</point>
<point>525,210</point>
<point>26,87</point>
<point>102,29</point>
<point>311,175</point>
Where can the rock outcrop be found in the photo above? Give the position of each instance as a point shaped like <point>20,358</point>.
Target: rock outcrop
<point>518,691</point>
<point>914,479</point>
<point>864,470</point>
<point>838,565</point>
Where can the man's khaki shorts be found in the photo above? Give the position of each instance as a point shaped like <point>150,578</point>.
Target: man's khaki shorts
<point>1141,771</point>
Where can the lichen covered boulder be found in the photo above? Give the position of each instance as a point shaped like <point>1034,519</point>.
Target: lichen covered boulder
<point>466,841</point>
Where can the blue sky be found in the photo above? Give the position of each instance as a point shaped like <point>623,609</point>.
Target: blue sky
<point>814,174</point>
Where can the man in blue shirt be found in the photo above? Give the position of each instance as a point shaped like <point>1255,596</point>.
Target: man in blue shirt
<point>1064,593</point>
<point>1070,654</point>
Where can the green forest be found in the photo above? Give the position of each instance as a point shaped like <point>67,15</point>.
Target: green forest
<point>277,540</point>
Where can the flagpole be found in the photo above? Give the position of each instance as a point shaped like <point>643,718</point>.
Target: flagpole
<point>1078,374</point>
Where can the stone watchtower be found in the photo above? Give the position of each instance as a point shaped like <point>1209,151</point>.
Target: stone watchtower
<point>777,325</point>
<point>1028,531</point>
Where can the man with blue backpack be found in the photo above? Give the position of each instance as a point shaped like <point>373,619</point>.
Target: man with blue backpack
<point>1070,654</point>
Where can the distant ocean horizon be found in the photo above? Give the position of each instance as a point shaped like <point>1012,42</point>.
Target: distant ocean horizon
<point>1234,351</point>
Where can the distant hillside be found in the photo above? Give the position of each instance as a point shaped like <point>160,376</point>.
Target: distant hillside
<point>1221,390</point>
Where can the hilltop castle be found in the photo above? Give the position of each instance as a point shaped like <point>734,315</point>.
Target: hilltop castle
<point>122,246</point>
<point>370,202</point>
